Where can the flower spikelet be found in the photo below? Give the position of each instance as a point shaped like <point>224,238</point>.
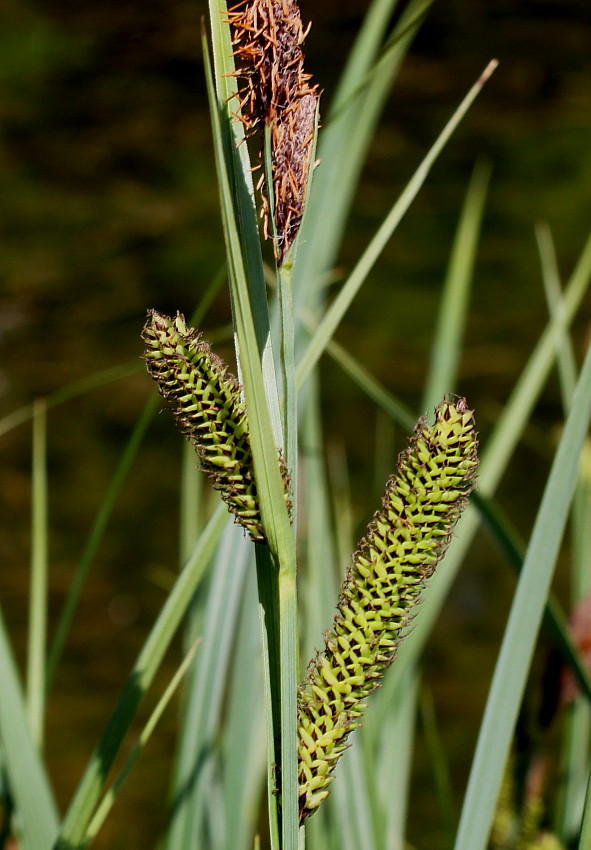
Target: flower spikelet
<point>205,399</point>
<point>403,544</point>
<point>268,39</point>
<point>268,36</point>
<point>293,145</point>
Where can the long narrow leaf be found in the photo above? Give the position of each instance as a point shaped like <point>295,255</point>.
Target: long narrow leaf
<point>91,786</point>
<point>520,635</point>
<point>319,583</point>
<point>110,797</point>
<point>29,786</point>
<point>243,745</point>
<point>439,761</point>
<point>395,745</point>
<point>38,592</point>
<point>565,360</point>
<point>237,197</point>
<point>585,837</point>
<point>447,344</point>
<point>191,796</point>
<point>340,305</point>
<point>81,387</point>
<point>577,726</point>
<point>345,138</point>
<point>352,801</point>
<point>267,473</point>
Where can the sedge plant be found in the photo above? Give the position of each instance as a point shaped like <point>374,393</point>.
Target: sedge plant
<point>333,746</point>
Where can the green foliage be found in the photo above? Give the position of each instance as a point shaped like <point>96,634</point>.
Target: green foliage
<point>239,717</point>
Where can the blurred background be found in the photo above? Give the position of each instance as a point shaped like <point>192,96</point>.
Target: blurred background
<point>108,207</point>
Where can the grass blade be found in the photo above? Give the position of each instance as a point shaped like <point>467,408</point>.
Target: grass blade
<point>110,797</point>
<point>340,305</point>
<point>264,452</point>
<point>237,199</point>
<point>389,742</point>
<point>447,343</point>
<point>289,406</point>
<point>585,837</point>
<point>520,635</point>
<point>565,360</point>
<point>577,726</point>
<point>197,748</point>
<point>244,775</point>
<point>509,544</point>
<point>348,130</point>
<point>352,801</point>
<point>441,774</point>
<point>29,786</point>
<point>73,390</point>
<point>90,788</point>
<point>192,508</point>
<point>398,411</point>
<point>38,588</point>
<point>320,581</point>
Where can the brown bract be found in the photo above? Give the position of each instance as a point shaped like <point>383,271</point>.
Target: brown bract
<point>268,36</point>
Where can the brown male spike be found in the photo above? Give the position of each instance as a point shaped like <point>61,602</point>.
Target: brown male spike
<point>268,39</point>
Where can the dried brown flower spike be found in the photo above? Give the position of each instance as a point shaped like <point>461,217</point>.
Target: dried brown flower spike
<point>268,37</point>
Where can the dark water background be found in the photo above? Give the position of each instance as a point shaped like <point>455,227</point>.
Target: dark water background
<point>108,206</point>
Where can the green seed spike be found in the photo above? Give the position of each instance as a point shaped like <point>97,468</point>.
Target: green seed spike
<point>404,542</point>
<point>205,398</point>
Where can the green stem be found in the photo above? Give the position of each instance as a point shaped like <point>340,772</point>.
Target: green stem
<point>287,354</point>
<point>268,593</point>
<point>289,411</point>
<point>288,641</point>
<point>284,670</point>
